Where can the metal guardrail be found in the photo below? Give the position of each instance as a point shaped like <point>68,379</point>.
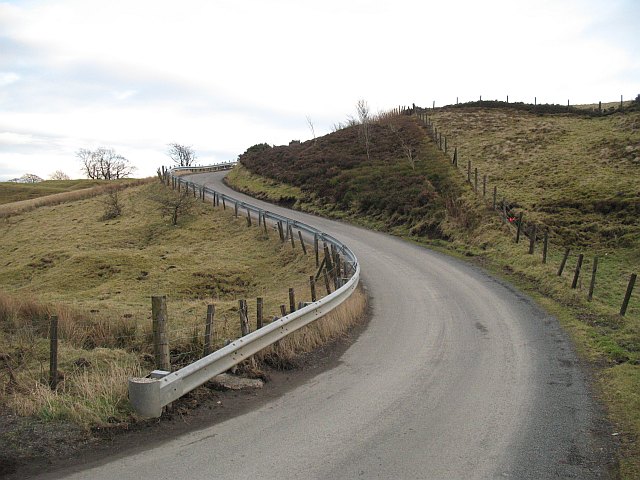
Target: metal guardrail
<point>148,395</point>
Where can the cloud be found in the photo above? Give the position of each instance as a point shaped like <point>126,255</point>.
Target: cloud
<point>222,76</point>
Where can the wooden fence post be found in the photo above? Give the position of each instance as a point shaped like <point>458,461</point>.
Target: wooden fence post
<point>264,224</point>
<point>545,247</point>
<point>315,247</point>
<point>627,295</point>
<point>283,309</point>
<point>259,314</point>
<point>469,171</point>
<point>475,188</point>
<point>280,231</point>
<point>293,242</point>
<point>455,156</point>
<point>532,239</point>
<point>592,285</point>
<point>53,352</point>
<point>495,195</point>
<point>484,186</point>
<point>244,317</point>
<point>292,300</point>
<point>208,329</point>
<point>574,284</point>
<point>159,327</point>
<point>304,248</point>
<point>312,286</point>
<point>519,227</point>
<point>564,261</point>
<point>224,205</point>
<point>248,217</point>
<point>327,285</point>
<point>235,209</point>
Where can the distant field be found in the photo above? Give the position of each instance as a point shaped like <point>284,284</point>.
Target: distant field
<point>15,192</point>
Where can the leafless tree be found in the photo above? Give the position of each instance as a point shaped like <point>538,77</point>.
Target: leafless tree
<point>173,204</point>
<point>362,109</point>
<point>405,145</point>
<point>59,175</point>
<point>30,178</point>
<point>182,155</point>
<point>313,130</point>
<point>104,164</point>
<point>112,206</point>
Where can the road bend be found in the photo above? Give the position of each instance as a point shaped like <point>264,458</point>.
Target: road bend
<point>457,376</point>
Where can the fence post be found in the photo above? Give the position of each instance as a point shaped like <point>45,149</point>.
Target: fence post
<point>495,195</point>
<point>248,217</point>
<point>593,278</point>
<point>312,286</point>
<point>484,186</point>
<point>259,317</point>
<point>304,248</point>
<point>244,317</point>
<point>264,223</point>
<point>280,231</point>
<point>627,295</point>
<point>545,247</point>
<point>563,262</point>
<point>293,242</point>
<point>455,156</point>
<point>160,340</point>
<point>283,309</point>
<point>327,285</point>
<point>208,327</point>
<point>235,209</point>
<point>315,247</point>
<point>469,171</point>
<point>532,239</point>
<point>574,284</point>
<point>292,300</point>
<point>224,205</point>
<point>476,180</point>
<point>519,227</point>
<point>53,352</point>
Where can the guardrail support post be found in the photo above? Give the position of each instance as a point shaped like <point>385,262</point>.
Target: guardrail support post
<point>292,300</point>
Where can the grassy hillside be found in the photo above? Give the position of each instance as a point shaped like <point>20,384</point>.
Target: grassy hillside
<point>98,276</point>
<point>576,175</point>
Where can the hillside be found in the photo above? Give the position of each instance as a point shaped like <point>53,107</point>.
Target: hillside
<point>15,192</point>
<point>574,175</point>
<point>98,276</point>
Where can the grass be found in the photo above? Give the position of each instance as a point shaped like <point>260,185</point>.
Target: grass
<point>98,276</point>
<point>20,198</point>
<point>576,174</point>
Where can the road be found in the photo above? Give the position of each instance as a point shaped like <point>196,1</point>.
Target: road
<point>457,376</point>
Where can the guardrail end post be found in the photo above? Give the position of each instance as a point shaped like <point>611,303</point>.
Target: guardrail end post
<point>144,395</point>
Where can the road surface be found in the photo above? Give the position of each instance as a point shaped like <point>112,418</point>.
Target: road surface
<point>457,376</point>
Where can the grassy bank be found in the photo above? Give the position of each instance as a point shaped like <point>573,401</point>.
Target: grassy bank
<point>460,222</point>
<point>98,276</point>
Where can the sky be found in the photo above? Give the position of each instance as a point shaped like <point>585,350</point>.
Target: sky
<point>222,75</point>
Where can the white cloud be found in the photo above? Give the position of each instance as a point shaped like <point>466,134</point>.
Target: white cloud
<point>224,75</point>
<point>7,78</point>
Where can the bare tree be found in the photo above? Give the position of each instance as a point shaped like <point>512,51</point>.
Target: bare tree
<point>313,130</point>
<point>405,145</point>
<point>30,178</point>
<point>362,109</point>
<point>59,175</point>
<point>182,155</point>
<point>104,164</point>
<point>173,204</point>
<point>112,206</point>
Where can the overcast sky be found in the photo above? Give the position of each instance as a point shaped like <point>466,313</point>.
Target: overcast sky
<point>222,75</point>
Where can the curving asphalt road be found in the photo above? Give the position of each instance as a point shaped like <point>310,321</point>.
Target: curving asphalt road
<point>457,376</point>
